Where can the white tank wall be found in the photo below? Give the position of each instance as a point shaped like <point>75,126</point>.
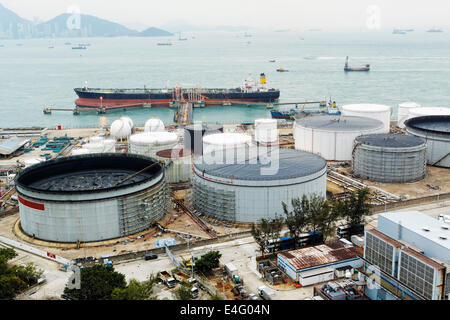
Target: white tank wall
<point>60,222</point>
<point>403,112</point>
<point>332,145</point>
<point>177,171</point>
<point>252,203</point>
<point>438,146</point>
<point>223,141</point>
<point>149,144</point>
<point>266,130</point>
<point>373,111</point>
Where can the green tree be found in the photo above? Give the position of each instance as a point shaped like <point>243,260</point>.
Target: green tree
<point>208,262</point>
<point>135,290</point>
<point>97,283</point>
<point>297,220</point>
<point>354,209</point>
<point>5,256</point>
<point>10,286</point>
<point>184,291</point>
<point>28,273</point>
<point>267,230</point>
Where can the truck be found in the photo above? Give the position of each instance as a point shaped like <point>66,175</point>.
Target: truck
<point>194,292</point>
<point>167,279</point>
<point>232,272</point>
<point>266,293</point>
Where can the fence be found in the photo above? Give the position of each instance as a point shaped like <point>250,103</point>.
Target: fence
<point>409,203</point>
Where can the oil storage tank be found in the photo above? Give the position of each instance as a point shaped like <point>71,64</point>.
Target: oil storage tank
<point>436,131</point>
<point>149,143</point>
<point>154,125</point>
<point>255,186</point>
<point>194,134</point>
<point>266,130</point>
<point>332,137</point>
<point>373,111</point>
<point>178,165</point>
<point>391,158</point>
<point>403,112</point>
<point>225,141</point>
<point>428,111</point>
<point>91,197</point>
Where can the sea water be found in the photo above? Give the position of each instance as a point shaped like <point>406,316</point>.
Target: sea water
<point>411,67</point>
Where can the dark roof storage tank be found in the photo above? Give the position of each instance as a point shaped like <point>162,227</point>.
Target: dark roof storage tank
<point>389,158</point>
<point>91,197</point>
<point>436,131</point>
<point>193,136</point>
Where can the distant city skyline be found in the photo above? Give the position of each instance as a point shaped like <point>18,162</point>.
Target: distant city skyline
<point>282,14</point>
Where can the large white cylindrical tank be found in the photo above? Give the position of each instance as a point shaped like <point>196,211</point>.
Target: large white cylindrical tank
<point>255,186</point>
<point>96,139</point>
<point>373,111</point>
<point>31,161</point>
<point>154,125</point>
<point>80,151</point>
<point>225,141</point>
<point>332,137</point>
<point>178,165</point>
<point>95,147</point>
<point>428,111</point>
<point>120,129</point>
<point>109,146</point>
<point>403,112</point>
<point>149,143</point>
<point>266,130</point>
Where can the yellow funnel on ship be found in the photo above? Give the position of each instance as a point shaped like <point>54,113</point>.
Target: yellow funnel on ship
<point>262,79</point>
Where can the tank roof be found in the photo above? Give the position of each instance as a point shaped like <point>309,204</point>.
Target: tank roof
<point>436,124</point>
<point>204,126</point>
<point>88,173</point>
<point>366,107</point>
<point>390,140</point>
<point>339,123</point>
<point>174,153</point>
<point>292,164</point>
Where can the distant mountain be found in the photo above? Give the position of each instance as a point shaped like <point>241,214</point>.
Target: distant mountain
<point>154,32</point>
<point>67,25</point>
<point>11,25</point>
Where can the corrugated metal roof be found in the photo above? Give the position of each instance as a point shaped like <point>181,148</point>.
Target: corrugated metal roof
<point>339,123</point>
<point>319,255</point>
<point>247,165</point>
<point>11,145</point>
<point>438,124</point>
<point>390,140</point>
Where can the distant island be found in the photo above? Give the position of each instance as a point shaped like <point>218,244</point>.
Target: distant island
<point>66,25</point>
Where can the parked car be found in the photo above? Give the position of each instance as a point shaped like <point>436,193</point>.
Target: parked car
<point>253,296</point>
<point>150,256</point>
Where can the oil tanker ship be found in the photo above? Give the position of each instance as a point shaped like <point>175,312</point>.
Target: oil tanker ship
<point>250,91</point>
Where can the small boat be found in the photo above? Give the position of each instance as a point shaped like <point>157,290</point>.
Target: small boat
<point>398,31</point>
<point>347,68</point>
<point>434,30</point>
<point>289,115</point>
<point>79,48</point>
<point>282,70</point>
<point>164,43</point>
<point>272,61</point>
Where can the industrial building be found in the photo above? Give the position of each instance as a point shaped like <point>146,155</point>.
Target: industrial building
<point>436,132</point>
<point>332,137</point>
<point>91,197</point>
<point>12,146</point>
<point>389,157</point>
<point>253,186</point>
<point>407,258</point>
<point>317,264</point>
<point>368,110</point>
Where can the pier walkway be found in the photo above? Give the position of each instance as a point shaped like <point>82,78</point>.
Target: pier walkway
<point>184,113</point>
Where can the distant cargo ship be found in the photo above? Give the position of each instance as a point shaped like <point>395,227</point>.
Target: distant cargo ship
<point>347,68</point>
<point>250,91</point>
<point>432,30</point>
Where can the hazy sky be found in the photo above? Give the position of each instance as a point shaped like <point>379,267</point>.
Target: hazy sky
<point>278,14</point>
